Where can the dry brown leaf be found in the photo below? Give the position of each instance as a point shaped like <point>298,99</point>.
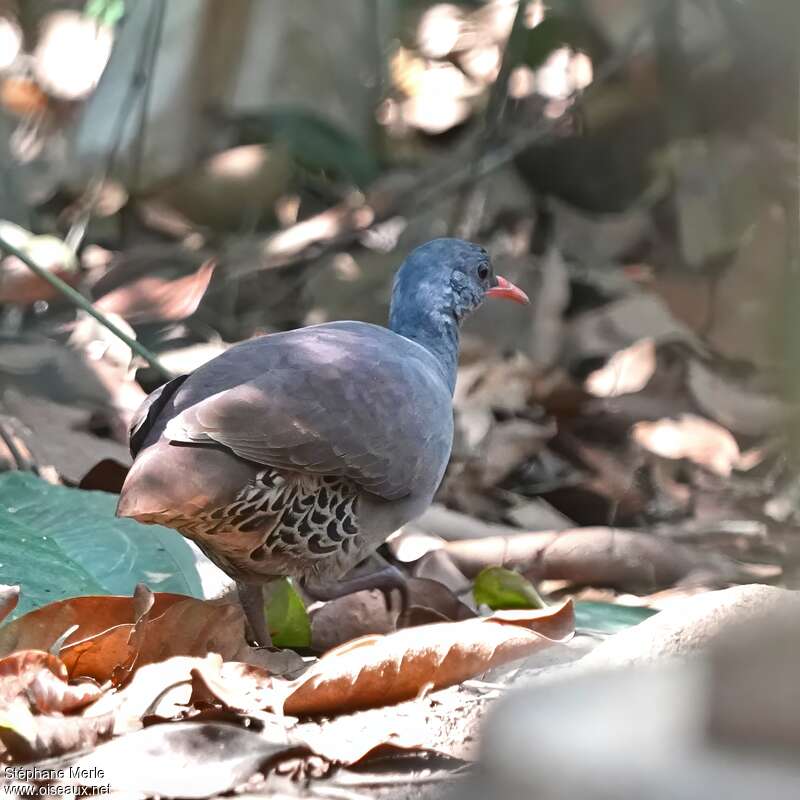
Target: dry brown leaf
<point>49,694</point>
<point>194,627</point>
<point>242,687</point>
<point>364,613</point>
<point>437,566</point>
<point>428,593</point>
<point>605,330</point>
<point>143,602</point>
<point>39,629</point>
<point>18,670</point>
<point>33,686</point>
<point>346,739</point>
<point>506,384</point>
<point>286,663</point>
<point>626,372</point>
<point>176,625</point>
<point>446,722</point>
<point>346,618</point>
<point>351,738</point>
<point>181,759</point>
<point>699,440</point>
<point>186,627</point>
<point>382,670</point>
<point>152,298</point>
<point>42,678</point>
<point>18,283</point>
<point>9,597</point>
<point>737,405</point>
<point>623,559</point>
<point>107,475</point>
<point>160,690</point>
<point>509,445</point>
<point>27,736</point>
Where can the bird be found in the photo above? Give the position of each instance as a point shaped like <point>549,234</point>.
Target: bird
<point>297,453</point>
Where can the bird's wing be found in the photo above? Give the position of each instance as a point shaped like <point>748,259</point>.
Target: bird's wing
<point>327,400</point>
<point>147,413</point>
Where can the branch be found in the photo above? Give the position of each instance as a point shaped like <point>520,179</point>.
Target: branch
<point>81,302</point>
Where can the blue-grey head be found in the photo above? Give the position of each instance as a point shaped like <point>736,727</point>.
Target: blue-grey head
<point>448,276</point>
<point>437,287</point>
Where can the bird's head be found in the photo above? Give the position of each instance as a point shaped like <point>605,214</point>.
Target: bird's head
<point>450,276</point>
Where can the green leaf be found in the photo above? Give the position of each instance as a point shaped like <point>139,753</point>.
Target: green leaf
<point>288,621</point>
<point>497,588</point>
<point>106,12</point>
<point>609,617</point>
<point>41,566</point>
<point>58,542</point>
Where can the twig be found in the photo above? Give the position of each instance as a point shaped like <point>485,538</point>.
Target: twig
<point>81,302</point>
<point>343,225</point>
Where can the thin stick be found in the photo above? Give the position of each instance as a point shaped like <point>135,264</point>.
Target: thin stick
<point>81,302</point>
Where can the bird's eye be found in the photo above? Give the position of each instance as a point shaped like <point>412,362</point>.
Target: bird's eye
<point>483,272</point>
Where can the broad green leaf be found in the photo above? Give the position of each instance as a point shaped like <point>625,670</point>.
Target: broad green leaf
<point>609,617</point>
<point>498,587</point>
<point>43,569</point>
<point>58,542</point>
<point>288,621</point>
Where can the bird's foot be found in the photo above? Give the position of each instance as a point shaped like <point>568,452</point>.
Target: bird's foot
<point>385,580</point>
<point>251,596</point>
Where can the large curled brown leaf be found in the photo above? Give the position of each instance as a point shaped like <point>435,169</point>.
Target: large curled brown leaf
<point>382,670</point>
<point>27,736</point>
<point>151,298</point>
<point>34,697</point>
<point>108,638</point>
<point>41,679</point>
<point>158,691</point>
<point>699,440</point>
<point>18,670</point>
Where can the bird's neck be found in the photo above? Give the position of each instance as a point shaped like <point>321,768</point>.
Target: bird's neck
<point>436,330</point>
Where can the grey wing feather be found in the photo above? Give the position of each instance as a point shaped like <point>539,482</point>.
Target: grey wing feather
<point>370,409</point>
<point>147,413</point>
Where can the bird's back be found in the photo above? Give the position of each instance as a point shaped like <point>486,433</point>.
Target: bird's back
<point>294,446</point>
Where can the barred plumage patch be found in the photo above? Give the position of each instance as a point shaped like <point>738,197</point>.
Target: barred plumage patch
<point>283,516</point>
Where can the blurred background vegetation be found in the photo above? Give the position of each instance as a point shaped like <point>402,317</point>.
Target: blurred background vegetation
<point>208,171</point>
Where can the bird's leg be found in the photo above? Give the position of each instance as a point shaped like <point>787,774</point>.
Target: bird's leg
<point>251,597</point>
<point>385,580</point>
